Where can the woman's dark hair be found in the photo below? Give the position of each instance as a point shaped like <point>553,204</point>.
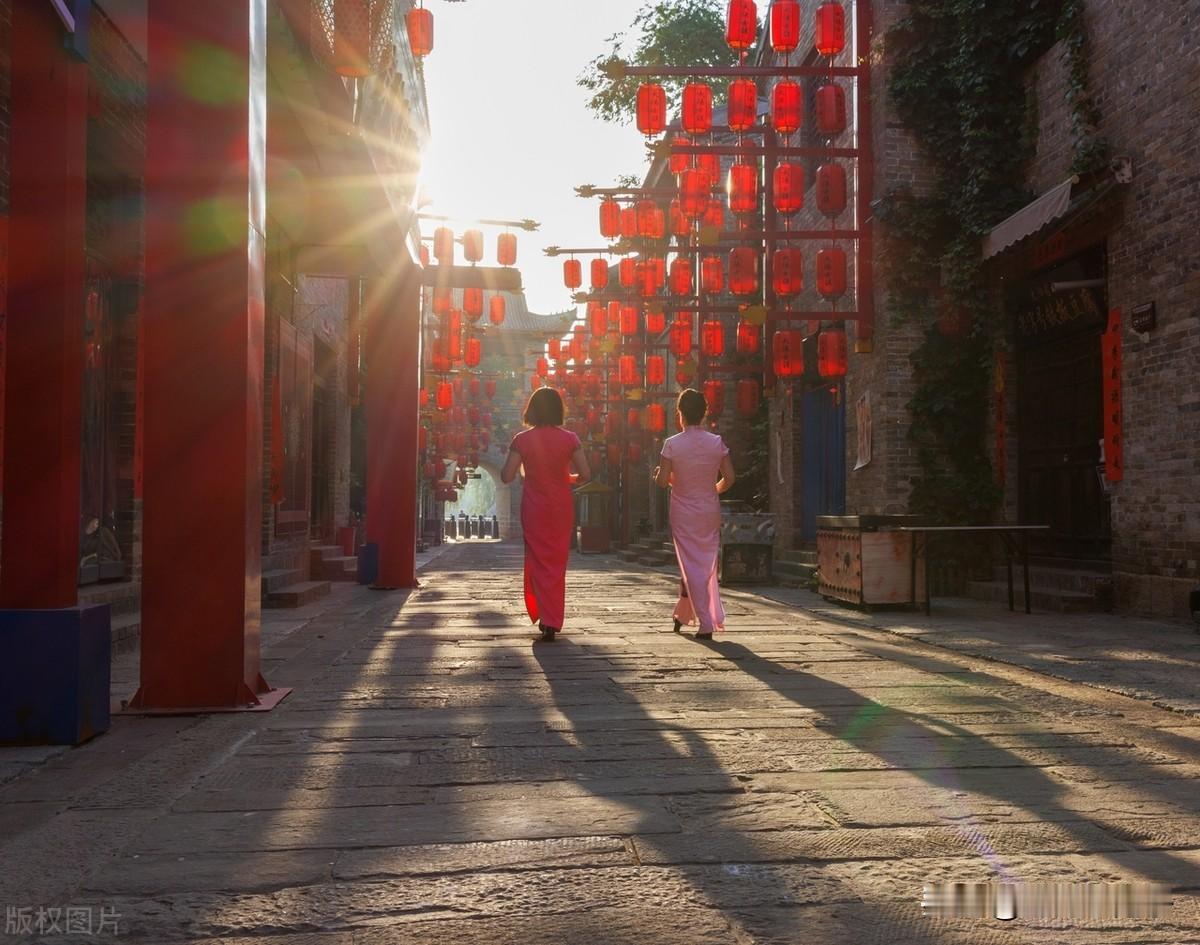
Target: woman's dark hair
<point>544,409</point>
<point>692,405</point>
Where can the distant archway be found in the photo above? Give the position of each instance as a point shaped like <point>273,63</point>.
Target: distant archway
<point>488,496</point>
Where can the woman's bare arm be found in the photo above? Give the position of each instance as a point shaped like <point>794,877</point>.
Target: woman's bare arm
<point>582,470</point>
<point>511,466</point>
<point>662,472</point>
<point>725,483</point>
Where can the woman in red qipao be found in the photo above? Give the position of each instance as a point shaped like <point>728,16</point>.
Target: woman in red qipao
<point>553,461</point>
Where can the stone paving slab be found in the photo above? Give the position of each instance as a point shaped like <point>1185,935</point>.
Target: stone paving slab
<point>439,776</point>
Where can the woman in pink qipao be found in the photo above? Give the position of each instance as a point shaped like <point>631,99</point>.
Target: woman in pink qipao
<point>696,465</point>
<point>553,461</point>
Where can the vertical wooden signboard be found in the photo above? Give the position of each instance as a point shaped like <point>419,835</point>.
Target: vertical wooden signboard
<point>1110,353</point>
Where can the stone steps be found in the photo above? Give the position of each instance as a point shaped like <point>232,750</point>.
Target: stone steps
<point>297,594</point>
<point>795,567</point>
<point>1046,599</point>
<point>331,563</point>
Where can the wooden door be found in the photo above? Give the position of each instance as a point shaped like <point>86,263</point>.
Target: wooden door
<point>1060,429</point>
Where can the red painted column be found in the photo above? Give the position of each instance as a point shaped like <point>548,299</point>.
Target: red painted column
<point>44,374</point>
<point>393,340</point>
<point>203,441</point>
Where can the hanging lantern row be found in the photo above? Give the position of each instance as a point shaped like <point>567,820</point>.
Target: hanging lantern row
<point>741,109</point>
<point>829,34</point>
<point>473,247</point>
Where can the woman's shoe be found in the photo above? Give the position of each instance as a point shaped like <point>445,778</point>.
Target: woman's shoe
<point>547,632</point>
<point>678,626</point>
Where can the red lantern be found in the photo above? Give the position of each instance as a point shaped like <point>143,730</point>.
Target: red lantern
<point>554,349</point>
<point>680,225</point>
<point>712,338</point>
<point>597,319</point>
<point>831,272</point>
<point>599,273</point>
<point>445,395</point>
<point>681,276</point>
<point>472,246</point>
<point>633,419</point>
<point>535,382</point>
<point>677,161</point>
<point>645,279</point>
<point>747,397</point>
<point>697,108</point>
<point>473,303</point>
<point>443,299</point>
<point>496,310</point>
<point>572,273</point>
<point>614,315</point>
<point>831,353</point>
<point>830,38</point>
<point>714,393</point>
<point>681,338</point>
<point>506,249</point>
<point>742,106</point>
<point>831,109</point>
<point>627,272</point>
<point>610,218</point>
<point>743,270</point>
<point>658,270</point>
<point>475,386</point>
<point>787,353</point>
<point>473,352</point>
<point>650,222</point>
<point>742,188</point>
<point>439,357</point>
<point>629,222</point>
<point>542,367</point>
<point>741,24</point>
<point>420,31</point>
<point>656,418</point>
<point>423,397</point>
<point>656,369</point>
<point>787,106</point>
<point>575,350</point>
<point>453,333</point>
<point>710,164</point>
<point>627,370</point>
<point>747,338</point>
<point>831,189</point>
<point>712,274</point>
<point>694,190</point>
<point>443,244</point>
<point>789,188</point>
<point>651,109</point>
<point>629,320</point>
<point>489,388</point>
<point>785,26</point>
<point>656,322</point>
<point>714,216</point>
<point>613,451</point>
<point>787,272</point>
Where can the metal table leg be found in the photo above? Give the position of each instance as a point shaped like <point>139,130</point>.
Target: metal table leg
<point>1009,551</point>
<point>925,543</point>
<point>912,567</point>
<point>1025,563</point>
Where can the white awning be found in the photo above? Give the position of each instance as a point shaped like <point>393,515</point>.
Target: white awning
<point>1029,219</point>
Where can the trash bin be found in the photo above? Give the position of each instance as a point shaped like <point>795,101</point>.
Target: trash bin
<point>747,539</point>
<point>368,563</point>
<point>591,515</point>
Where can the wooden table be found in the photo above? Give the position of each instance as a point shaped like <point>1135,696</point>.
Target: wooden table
<point>1015,538</point>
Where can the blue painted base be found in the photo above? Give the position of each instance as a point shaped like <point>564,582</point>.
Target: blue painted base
<point>54,675</point>
<point>368,563</point>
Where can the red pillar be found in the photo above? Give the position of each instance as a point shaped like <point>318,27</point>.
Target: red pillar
<point>203,441</point>
<point>393,362</point>
<point>43,412</point>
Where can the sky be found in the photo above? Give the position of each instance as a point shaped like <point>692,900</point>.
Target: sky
<point>511,136</point>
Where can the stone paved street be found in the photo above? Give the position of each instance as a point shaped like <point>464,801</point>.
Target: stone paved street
<point>438,777</point>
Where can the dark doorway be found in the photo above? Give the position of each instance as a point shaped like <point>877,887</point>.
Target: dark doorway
<point>100,553</point>
<point>324,428</point>
<point>1060,425</point>
<point>824,483</point>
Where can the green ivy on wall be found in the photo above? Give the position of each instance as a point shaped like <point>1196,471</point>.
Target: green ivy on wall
<point>957,83</point>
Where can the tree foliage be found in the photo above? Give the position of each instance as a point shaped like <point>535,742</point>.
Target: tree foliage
<point>670,33</point>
